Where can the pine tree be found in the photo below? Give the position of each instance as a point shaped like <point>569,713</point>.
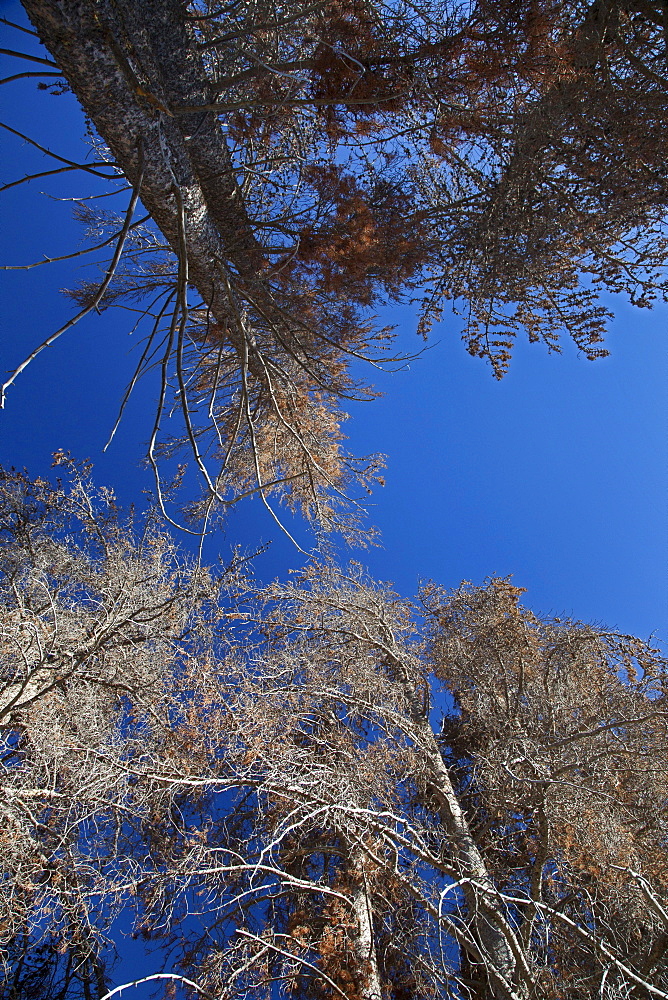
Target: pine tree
<point>300,163</point>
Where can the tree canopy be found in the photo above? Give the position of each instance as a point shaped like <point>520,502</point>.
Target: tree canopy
<point>298,163</point>
<point>317,789</point>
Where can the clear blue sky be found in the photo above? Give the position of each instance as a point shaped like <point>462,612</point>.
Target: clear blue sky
<point>558,474</point>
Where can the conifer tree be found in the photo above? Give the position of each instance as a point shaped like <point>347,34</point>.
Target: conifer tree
<point>299,163</point>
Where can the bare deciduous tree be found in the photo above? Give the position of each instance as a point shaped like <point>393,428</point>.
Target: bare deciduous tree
<point>94,614</point>
<point>517,850</point>
<point>319,789</point>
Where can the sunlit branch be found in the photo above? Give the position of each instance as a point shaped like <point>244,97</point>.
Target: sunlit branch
<point>159,976</point>
<point>320,974</point>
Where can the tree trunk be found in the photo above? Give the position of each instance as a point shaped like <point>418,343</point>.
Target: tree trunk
<point>366,942</point>
<point>499,952</point>
<point>130,65</point>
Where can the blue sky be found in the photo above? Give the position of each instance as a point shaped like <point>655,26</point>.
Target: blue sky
<point>558,474</point>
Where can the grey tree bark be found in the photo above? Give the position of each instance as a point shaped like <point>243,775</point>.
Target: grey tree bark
<point>500,952</point>
<point>132,66</point>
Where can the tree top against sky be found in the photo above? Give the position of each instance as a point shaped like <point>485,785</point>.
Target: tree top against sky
<point>298,164</point>
<point>316,788</point>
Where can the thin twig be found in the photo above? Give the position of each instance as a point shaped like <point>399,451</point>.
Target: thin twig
<point>69,256</point>
<point>19,27</point>
<point>99,295</point>
<point>22,76</point>
<point>24,55</point>
<point>138,370</point>
<point>56,156</point>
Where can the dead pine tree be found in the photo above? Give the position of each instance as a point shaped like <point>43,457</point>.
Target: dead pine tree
<point>289,167</point>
